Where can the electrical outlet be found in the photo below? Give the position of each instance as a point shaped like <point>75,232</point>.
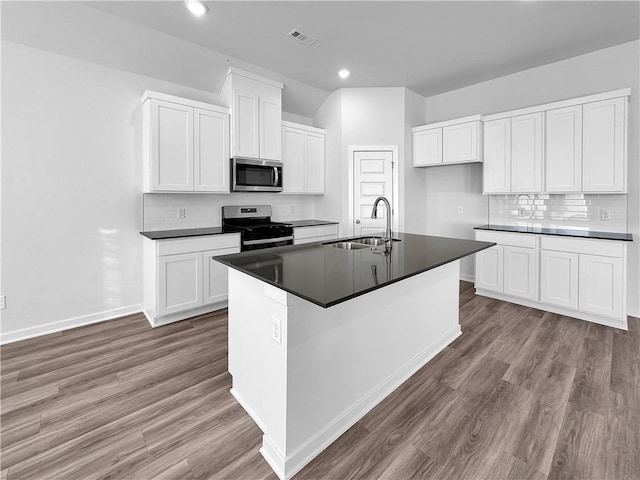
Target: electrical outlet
<point>605,215</point>
<point>181,213</point>
<point>275,330</point>
<point>460,209</point>
<point>291,209</point>
<point>3,302</point>
<point>522,212</point>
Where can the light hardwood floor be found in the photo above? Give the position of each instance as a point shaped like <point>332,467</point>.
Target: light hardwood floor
<point>522,394</point>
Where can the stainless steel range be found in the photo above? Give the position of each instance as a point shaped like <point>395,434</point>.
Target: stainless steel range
<point>255,227</point>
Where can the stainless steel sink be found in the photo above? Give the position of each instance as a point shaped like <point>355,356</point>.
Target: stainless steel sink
<point>349,245</point>
<point>370,241</point>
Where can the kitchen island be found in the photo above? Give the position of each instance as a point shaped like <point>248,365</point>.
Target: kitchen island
<point>319,335</point>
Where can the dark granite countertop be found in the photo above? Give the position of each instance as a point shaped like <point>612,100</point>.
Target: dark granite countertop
<point>564,232</point>
<point>326,275</point>
<point>310,223</point>
<point>187,232</point>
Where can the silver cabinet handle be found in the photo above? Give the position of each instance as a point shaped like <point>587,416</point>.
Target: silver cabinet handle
<point>357,221</point>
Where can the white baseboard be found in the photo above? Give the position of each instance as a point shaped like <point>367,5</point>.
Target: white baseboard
<point>589,317</point>
<point>17,335</point>
<point>467,278</point>
<point>312,448</point>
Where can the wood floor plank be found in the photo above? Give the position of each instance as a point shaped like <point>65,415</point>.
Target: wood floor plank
<point>140,403</point>
<point>250,466</point>
<point>543,414</point>
<point>593,377</point>
<point>622,452</point>
<point>580,452</point>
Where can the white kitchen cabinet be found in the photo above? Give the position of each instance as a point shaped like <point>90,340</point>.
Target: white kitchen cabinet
<point>526,153</point>
<point>564,149</point>
<point>181,279</point>
<point>180,282</point>
<point>496,168</point>
<point>214,285</point>
<point>559,278</point>
<point>520,272</point>
<point>170,137</point>
<point>315,233</point>
<point>427,147</point>
<point>303,159</point>
<point>460,143</point>
<point>604,146</point>
<point>489,269</point>
<point>256,113</point>
<point>579,277</point>
<point>453,141</point>
<point>601,285</point>
<point>211,152</point>
<point>185,145</point>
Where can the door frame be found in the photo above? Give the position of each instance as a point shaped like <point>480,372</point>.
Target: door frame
<point>352,149</point>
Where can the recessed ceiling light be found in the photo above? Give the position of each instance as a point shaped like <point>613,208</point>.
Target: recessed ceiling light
<point>197,7</point>
<point>344,73</point>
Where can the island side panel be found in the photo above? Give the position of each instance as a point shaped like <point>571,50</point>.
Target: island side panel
<point>344,360</point>
<point>257,364</point>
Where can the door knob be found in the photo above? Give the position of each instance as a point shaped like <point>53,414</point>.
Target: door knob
<point>357,221</point>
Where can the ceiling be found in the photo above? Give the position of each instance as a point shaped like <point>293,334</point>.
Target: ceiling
<point>427,46</point>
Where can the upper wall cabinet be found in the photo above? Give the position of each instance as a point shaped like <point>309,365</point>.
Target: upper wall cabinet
<point>513,154</point>
<point>577,145</point>
<point>453,141</point>
<point>256,115</point>
<point>303,158</point>
<point>185,145</point>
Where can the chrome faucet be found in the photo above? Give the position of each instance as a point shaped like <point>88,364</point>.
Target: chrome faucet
<point>374,214</point>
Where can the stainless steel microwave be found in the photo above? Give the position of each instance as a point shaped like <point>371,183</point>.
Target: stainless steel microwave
<point>251,175</point>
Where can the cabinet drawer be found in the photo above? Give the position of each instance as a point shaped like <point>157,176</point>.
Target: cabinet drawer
<point>585,246</point>
<point>317,231</point>
<point>197,244</point>
<point>513,239</point>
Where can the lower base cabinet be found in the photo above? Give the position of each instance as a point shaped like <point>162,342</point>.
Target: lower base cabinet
<point>582,278</point>
<point>181,278</point>
<point>559,278</point>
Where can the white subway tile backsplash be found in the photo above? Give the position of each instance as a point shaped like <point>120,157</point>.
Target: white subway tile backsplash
<point>580,211</point>
<point>202,210</point>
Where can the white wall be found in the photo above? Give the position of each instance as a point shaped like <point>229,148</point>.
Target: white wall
<point>414,180</point>
<point>600,71</point>
<point>71,201</point>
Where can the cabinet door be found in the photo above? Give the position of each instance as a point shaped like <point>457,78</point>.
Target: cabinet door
<point>526,153</point>
<point>269,127</point>
<point>520,272</point>
<point>559,278</point>
<point>427,147</point>
<point>497,156</point>
<point>215,276</point>
<point>171,146</point>
<point>211,152</point>
<point>245,134</point>
<point>293,160</point>
<point>603,146</point>
<point>564,149</point>
<point>314,155</point>
<point>489,269</point>
<point>460,143</point>
<point>601,283</point>
<point>180,282</point>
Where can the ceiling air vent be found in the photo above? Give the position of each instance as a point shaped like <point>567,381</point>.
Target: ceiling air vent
<point>301,37</point>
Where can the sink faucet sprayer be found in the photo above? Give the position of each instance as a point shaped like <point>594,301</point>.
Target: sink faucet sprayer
<point>374,214</point>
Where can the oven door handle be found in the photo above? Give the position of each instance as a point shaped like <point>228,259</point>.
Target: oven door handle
<point>276,176</point>
<point>267,240</point>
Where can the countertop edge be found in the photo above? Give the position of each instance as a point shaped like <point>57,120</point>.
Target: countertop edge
<point>592,235</point>
<point>354,295</point>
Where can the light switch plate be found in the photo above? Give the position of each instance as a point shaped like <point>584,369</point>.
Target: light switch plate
<point>276,334</point>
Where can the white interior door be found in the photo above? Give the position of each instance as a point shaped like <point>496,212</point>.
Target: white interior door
<point>372,178</point>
